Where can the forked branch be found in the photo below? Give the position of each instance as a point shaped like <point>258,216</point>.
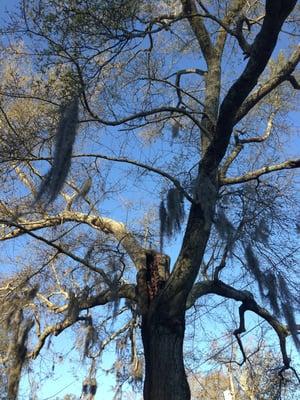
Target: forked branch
<point>248,304</point>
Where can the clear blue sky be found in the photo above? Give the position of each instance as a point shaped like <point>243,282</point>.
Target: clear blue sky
<point>7,4</point>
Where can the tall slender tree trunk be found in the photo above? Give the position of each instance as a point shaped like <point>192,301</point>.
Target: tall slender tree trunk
<point>165,377</point>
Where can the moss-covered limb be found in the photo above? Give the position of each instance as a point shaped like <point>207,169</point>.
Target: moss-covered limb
<point>83,303</point>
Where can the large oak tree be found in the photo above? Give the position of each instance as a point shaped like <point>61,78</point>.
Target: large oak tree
<point>159,106</point>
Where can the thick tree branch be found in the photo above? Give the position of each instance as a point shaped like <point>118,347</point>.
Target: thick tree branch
<point>285,74</point>
<point>262,48</point>
<point>199,29</point>
<point>107,225</point>
<point>249,176</point>
<point>248,304</point>
<point>235,9</point>
<point>293,81</point>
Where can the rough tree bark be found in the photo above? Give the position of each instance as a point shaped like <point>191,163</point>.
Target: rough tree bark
<point>165,376</point>
<point>162,335</point>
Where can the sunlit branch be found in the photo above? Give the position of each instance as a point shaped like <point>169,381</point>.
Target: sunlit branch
<point>24,179</point>
<point>239,145</point>
<point>264,137</point>
<point>249,176</point>
<point>50,305</point>
<point>107,225</point>
<point>230,159</point>
<point>21,229</point>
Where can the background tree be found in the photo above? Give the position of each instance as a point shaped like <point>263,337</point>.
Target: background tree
<point>253,380</point>
<point>202,87</point>
<point>3,372</point>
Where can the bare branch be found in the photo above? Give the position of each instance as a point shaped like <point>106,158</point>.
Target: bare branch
<point>113,336</point>
<point>235,7</point>
<point>264,137</point>
<point>289,164</point>
<point>24,179</point>
<point>240,145</point>
<point>106,225</point>
<point>248,304</point>
<point>21,230</point>
<point>140,115</point>
<point>148,167</point>
<point>102,298</point>
<point>222,264</point>
<point>230,159</point>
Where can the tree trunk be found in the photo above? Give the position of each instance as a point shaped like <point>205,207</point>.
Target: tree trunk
<point>165,377</point>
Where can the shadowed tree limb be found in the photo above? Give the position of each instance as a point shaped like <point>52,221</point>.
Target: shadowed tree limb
<point>285,74</point>
<point>281,330</point>
<point>248,304</point>
<point>199,29</point>
<point>293,81</point>
<point>262,48</point>
<point>200,218</point>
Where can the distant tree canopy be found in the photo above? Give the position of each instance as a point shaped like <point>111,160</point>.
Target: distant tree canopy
<point>250,381</point>
<point>148,169</point>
